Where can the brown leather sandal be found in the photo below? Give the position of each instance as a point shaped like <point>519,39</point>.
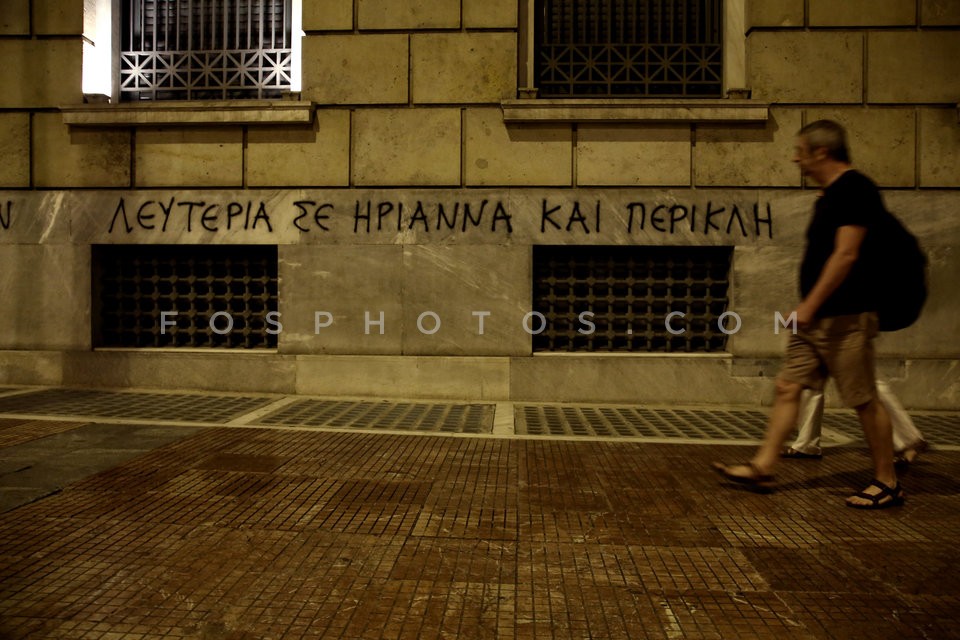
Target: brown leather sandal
<point>756,481</point>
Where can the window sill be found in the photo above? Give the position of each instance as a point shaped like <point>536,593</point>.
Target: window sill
<point>187,113</point>
<point>634,110</point>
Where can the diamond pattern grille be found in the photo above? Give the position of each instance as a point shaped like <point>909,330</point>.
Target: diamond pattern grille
<point>205,49</point>
<point>618,48</point>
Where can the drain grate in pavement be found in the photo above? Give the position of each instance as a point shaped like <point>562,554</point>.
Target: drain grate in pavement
<point>131,405</point>
<point>939,428</point>
<point>640,422</point>
<point>401,416</point>
<point>698,424</point>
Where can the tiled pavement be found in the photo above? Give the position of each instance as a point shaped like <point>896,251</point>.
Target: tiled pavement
<point>223,516</point>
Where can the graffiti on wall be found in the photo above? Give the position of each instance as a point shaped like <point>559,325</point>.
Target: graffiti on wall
<point>365,217</point>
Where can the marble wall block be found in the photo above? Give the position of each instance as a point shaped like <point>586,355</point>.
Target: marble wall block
<point>189,157</point>
<point>356,69</point>
<point>327,15</point>
<point>414,147</point>
<point>882,141</point>
<point>764,282</point>
<point>463,67</point>
<point>489,14</point>
<point>46,296</point>
<point>863,13</point>
<point>816,66</point>
<point>54,77</point>
<point>655,379</point>
<point>497,154</point>
<point>31,367</point>
<point>939,148</point>
<point>433,377</point>
<point>260,372</point>
<point>774,13</point>
<point>57,17</point>
<point>15,18</point>
<point>408,14</point>
<point>314,155</point>
<point>444,286</point>
<point>913,67</point>
<point>941,13</point>
<point>78,157</point>
<point>15,150</point>
<point>351,287</point>
<point>748,155</point>
<point>633,155</point>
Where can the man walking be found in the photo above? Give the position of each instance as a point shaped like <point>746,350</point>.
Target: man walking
<point>836,318</point>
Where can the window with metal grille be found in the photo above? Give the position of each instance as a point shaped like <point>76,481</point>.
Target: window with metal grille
<point>623,48</point>
<point>205,49</point>
<point>630,291</point>
<point>137,288</point>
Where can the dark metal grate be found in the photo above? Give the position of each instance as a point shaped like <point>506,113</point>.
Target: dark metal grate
<point>640,422</point>
<point>617,48</point>
<point>403,416</point>
<point>135,284</point>
<point>87,403</point>
<point>630,291</point>
<point>205,49</point>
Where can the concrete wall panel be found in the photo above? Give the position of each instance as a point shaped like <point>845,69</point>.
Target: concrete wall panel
<point>489,14</point>
<point>406,147</point>
<point>939,148</point>
<point>882,141</point>
<point>40,73</point>
<point>300,156</point>
<point>939,13</point>
<point>327,15</point>
<point>824,66</point>
<point>355,69</point>
<point>495,154</point>
<point>79,157</point>
<point>408,14</point>
<point>46,297</point>
<point>57,17</point>
<point>463,67</point>
<point>774,13</point>
<point>863,13</point>
<point>451,283</point>
<point>15,150</point>
<point>657,155</point>
<point>748,155</point>
<point>913,67</point>
<point>189,157</point>
<point>354,285</point>
<point>15,18</point>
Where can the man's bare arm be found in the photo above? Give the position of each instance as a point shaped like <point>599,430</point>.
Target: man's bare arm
<point>846,248</point>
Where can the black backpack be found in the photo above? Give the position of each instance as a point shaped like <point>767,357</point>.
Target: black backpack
<point>901,275</point>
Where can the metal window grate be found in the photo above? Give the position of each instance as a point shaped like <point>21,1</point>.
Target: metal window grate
<point>618,48</point>
<point>630,291</point>
<point>134,284</point>
<point>205,49</point>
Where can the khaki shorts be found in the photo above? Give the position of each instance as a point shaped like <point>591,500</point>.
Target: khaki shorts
<point>841,347</point>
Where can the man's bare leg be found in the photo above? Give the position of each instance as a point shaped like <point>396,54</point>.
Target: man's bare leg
<point>782,421</point>
<point>879,435</point>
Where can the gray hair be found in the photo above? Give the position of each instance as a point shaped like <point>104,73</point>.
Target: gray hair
<point>829,135</point>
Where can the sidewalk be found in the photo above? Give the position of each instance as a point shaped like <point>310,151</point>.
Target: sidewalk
<point>140,515</point>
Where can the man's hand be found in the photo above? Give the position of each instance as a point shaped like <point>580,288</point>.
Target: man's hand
<point>805,313</point>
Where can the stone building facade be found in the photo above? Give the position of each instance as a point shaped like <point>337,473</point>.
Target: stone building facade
<point>421,205</point>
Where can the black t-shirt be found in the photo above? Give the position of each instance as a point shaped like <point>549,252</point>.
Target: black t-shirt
<point>852,199</point>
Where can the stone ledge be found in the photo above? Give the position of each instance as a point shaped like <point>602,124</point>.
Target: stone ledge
<point>186,113</point>
<point>636,110</point>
